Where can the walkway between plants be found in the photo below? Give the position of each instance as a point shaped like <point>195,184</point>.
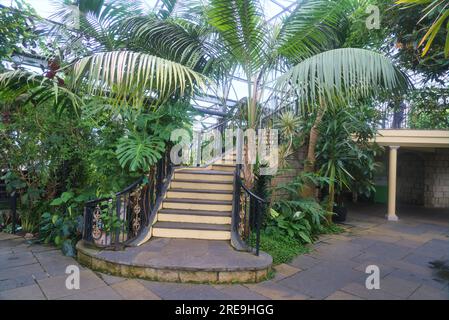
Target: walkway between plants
<point>412,255</point>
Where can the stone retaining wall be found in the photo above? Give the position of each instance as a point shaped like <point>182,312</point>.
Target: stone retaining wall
<point>410,180</point>
<point>423,178</point>
<point>296,165</point>
<point>436,181</point>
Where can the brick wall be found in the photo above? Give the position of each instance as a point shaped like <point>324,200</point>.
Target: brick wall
<point>436,181</point>
<point>283,176</point>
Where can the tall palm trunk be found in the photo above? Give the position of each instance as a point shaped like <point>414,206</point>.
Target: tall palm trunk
<point>309,190</point>
<point>248,168</point>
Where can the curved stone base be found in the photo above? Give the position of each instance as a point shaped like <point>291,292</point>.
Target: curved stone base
<point>179,260</point>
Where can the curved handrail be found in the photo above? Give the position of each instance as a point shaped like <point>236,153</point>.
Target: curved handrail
<point>246,215</point>
<point>130,187</point>
<point>94,201</point>
<point>125,190</point>
<point>118,220</point>
<point>146,232</point>
<point>252,194</point>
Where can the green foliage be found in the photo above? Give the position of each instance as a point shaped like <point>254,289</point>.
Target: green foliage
<point>344,153</point>
<point>298,219</point>
<point>399,36</point>
<point>281,247</point>
<point>63,226</point>
<point>139,151</point>
<point>295,186</point>
<point>436,10</point>
<point>429,108</point>
<point>17,31</point>
<point>344,74</point>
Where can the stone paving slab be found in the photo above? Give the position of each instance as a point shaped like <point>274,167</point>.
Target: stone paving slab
<point>325,278</point>
<point>102,293</point>
<point>32,292</point>
<point>341,295</point>
<point>277,291</point>
<point>333,270</point>
<point>133,290</point>
<point>429,293</point>
<point>360,291</point>
<point>55,287</point>
<point>239,292</point>
<point>184,291</point>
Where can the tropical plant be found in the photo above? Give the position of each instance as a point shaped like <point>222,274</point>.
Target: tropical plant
<point>429,108</point>
<point>17,30</point>
<point>438,9</point>
<point>299,219</point>
<point>345,156</point>
<point>338,77</point>
<point>299,44</point>
<point>289,126</point>
<point>63,227</point>
<point>139,152</point>
<point>293,216</point>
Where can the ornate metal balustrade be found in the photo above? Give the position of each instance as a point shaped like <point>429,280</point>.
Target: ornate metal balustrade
<point>114,222</point>
<point>247,213</point>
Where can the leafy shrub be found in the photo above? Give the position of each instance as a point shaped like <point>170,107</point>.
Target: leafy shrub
<point>299,219</point>
<point>63,227</point>
<point>281,247</point>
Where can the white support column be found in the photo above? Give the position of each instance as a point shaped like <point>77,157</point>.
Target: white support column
<point>392,183</point>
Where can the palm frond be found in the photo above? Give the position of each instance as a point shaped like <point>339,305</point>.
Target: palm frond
<point>37,89</point>
<point>241,25</point>
<point>131,77</point>
<point>313,27</point>
<point>341,74</point>
<point>99,23</point>
<point>168,39</point>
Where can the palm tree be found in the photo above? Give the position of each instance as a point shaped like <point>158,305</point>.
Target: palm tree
<point>301,48</point>
<point>433,8</point>
<point>157,56</point>
<point>116,59</point>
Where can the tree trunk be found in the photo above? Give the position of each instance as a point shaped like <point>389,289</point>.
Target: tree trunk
<point>330,202</point>
<point>309,166</point>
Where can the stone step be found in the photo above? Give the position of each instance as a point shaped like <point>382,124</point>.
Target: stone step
<point>196,204</point>
<point>184,193</point>
<point>204,175</point>
<point>223,167</point>
<point>202,184</point>
<point>194,216</point>
<point>192,230</point>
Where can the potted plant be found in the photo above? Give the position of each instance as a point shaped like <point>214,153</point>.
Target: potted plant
<point>339,210</point>
<point>344,155</point>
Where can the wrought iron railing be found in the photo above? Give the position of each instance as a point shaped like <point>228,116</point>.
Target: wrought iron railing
<point>247,213</point>
<point>202,139</point>
<point>115,222</point>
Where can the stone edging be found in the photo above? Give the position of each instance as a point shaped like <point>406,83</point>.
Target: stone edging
<point>88,258</point>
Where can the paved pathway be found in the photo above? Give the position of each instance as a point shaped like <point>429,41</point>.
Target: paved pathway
<point>335,269</point>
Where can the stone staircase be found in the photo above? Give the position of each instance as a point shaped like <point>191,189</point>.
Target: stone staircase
<point>198,202</point>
